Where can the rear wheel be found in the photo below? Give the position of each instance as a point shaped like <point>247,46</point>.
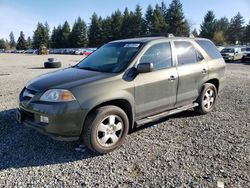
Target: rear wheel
<point>207,99</point>
<point>105,129</point>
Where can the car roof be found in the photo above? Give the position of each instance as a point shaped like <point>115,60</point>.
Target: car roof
<point>149,39</point>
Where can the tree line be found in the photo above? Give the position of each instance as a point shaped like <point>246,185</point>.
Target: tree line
<point>158,20</point>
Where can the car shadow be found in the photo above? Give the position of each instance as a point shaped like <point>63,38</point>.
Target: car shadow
<point>23,147</point>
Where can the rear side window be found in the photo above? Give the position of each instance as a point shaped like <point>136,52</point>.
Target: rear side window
<point>159,55</point>
<point>210,48</point>
<point>186,53</point>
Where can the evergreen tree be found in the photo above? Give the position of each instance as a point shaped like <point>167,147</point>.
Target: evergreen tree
<point>235,29</point>
<point>21,42</point>
<point>12,42</point>
<point>247,34</point>
<point>116,24</point>
<point>208,26</point>
<point>29,42</point>
<point>40,37</point>
<point>194,33</point>
<point>138,26</point>
<point>78,36</point>
<point>126,26</point>
<point>2,44</point>
<point>149,19</point>
<point>159,24</point>
<point>95,31</point>
<point>65,32</point>
<point>222,24</point>
<point>177,24</point>
<point>106,30</point>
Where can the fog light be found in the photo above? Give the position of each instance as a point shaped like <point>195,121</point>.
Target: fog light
<point>44,119</point>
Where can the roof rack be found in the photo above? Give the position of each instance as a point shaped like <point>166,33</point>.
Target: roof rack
<point>158,35</point>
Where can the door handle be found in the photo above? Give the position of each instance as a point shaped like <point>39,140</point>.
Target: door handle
<point>204,71</point>
<point>171,78</point>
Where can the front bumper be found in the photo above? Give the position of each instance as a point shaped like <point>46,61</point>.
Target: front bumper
<point>65,119</point>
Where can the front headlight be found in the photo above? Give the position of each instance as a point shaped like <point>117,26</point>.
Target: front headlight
<point>57,95</point>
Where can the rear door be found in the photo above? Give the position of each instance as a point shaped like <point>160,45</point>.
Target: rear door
<point>156,91</point>
<point>192,70</point>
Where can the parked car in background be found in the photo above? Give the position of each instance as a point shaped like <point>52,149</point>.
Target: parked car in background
<point>123,85</point>
<point>246,57</point>
<point>87,52</point>
<point>232,53</point>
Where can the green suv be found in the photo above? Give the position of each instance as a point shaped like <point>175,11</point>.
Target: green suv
<point>122,85</point>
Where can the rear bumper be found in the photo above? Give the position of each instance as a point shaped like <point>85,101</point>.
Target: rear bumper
<point>65,120</point>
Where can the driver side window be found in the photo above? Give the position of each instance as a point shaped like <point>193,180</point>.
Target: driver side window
<point>159,55</point>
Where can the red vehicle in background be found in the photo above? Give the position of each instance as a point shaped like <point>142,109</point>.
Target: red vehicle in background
<point>87,52</point>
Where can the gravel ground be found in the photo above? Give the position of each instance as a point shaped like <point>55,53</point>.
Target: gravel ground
<point>185,150</point>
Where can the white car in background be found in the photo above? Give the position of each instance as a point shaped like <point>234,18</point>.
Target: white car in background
<point>232,53</point>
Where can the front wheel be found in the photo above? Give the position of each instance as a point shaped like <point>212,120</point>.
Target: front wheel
<point>105,129</point>
<point>207,99</point>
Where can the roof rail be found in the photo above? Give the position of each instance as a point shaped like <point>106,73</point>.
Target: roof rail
<point>158,35</point>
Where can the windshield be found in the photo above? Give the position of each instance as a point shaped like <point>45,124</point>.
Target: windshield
<point>248,49</point>
<point>228,50</point>
<point>111,58</point>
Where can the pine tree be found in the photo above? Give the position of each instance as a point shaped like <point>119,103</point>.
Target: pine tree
<point>222,24</point>
<point>21,42</point>
<point>29,42</point>
<point>78,36</point>
<point>126,26</point>
<point>12,42</point>
<point>65,32</point>
<point>177,24</point>
<point>116,24</point>
<point>247,33</point>
<point>95,31</point>
<point>235,29</point>
<point>40,37</point>
<point>159,24</point>
<point>208,26</point>
<point>106,30</point>
<point>149,19</point>
<point>138,26</point>
<point>194,33</point>
<point>3,44</point>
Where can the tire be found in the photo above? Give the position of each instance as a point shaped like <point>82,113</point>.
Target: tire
<point>206,99</point>
<point>52,64</point>
<point>105,129</point>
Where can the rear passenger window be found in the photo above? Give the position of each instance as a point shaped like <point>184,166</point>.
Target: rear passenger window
<point>159,55</point>
<point>186,53</point>
<point>210,48</point>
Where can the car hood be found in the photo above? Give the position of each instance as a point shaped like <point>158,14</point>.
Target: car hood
<point>65,79</point>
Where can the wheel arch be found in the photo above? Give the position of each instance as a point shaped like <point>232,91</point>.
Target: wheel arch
<point>121,103</point>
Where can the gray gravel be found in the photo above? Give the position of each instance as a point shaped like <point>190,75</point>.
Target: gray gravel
<point>185,150</point>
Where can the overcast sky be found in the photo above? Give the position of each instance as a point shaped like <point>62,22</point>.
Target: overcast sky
<point>23,15</point>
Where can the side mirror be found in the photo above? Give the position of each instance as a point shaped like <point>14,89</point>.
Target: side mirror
<point>145,67</point>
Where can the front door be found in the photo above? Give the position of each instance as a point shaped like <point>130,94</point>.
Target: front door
<point>156,91</point>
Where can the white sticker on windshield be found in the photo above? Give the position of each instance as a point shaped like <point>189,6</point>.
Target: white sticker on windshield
<point>132,45</point>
